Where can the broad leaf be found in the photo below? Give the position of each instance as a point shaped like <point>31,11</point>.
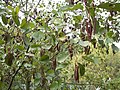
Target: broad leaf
<point>23,24</point>
<point>82,69</point>
<point>110,34</point>
<point>88,58</point>
<point>10,7</point>
<point>62,57</point>
<point>77,6</point>
<point>26,40</point>
<point>4,19</point>
<point>17,9</point>
<point>38,35</point>
<point>16,20</point>
<point>72,8</point>
<point>9,59</point>
<point>31,25</point>
<point>44,58</point>
<point>54,85</point>
<point>1,42</point>
<point>35,45</point>
<point>77,18</point>
<point>110,6</point>
<point>19,47</point>
<point>2,11</point>
<point>58,21</point>
<point>115,48</point>
<point>84,43</point>
<point>92,12</point>
<point>1,25</point>
<point>109,40</point>
<point>27,25</point>
<point>15,16</point>
<point>101,42</point>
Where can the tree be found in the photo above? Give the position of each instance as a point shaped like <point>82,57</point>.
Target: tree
<point>52,46</point>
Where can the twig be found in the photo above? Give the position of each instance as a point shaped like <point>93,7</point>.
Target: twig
<point>26,4</point>
<point>37,3</point>
<point>9,88</point>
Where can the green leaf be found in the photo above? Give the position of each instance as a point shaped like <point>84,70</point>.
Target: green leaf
<point>110,6</point>
<point>35,45</point>
<point>2,11</point>
<point>26,40</point>
<point>54,85</point>
<point>4,19</point>
<point>96,60</point>
<point>72,8</point>
<point>3,86</point>
<point>89,1</point>
<point>58,21</point>
<point>19,47</point>
<point>15,17</point>
<point>1,42</point>
<point>10,7</point>
<point>92,58</point>
<point>84,43</point>
<point>23,24</point>
<point>53,39</point>
<point>115,48</point>
<point>44,58</point>
<point>31,25</point>
<point>82,69</point>
<point>37,81</point>
<point>17,9</point>
<point>110,34</point>
<point>61,66</point>
<point>9,59</point>
<point>26,25</point>
<point>97,27</point>
<point>7,37</point>
<point>101,42</point>
<point>16,20</point>
<point>38,35</point>
<point>92,12</point>
<point>50,72</point>
<point>47,46</point>
<point>77,18</point>
<point>1,25</point>
<point>77,6</point>
<point>65,8</point>
<point>109,40</point>
<point>62,57</point>
<point>88,58</point>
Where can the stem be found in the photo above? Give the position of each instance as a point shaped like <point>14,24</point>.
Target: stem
<point>26,5</point>
<point>11,82</point>
<point>37,3</point>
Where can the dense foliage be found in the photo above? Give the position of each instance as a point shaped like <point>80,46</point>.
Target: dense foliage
<point>59,45</point>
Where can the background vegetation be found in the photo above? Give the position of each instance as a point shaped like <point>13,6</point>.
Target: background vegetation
<point>59,45</point>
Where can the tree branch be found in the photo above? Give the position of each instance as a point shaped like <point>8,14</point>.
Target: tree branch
<point>11,82</point>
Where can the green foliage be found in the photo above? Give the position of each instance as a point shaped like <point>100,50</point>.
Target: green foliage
<point>15,16</point>
<point>59,46</point>
<point>44,58</point>
<point>9,59</point>
<point>110,6</point>
<point>4,19</point>
<point>82,69</point>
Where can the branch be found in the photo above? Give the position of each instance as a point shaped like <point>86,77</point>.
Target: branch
<point>26,4</point>
<point>37,3</point>
<point>11,82</point>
